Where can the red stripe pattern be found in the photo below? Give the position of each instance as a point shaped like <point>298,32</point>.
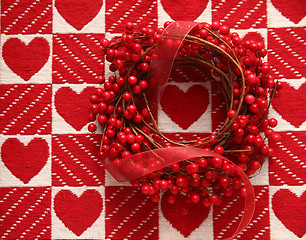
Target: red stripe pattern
<point>77,58</point>
<point>75,162</point>
<point>141,13</point>
<point>26,17</point>
<point>25,213</point>
<point>227,217</point>
<point>240,14</point>
<point>287,50</point>
<point>129,214</point>
<point>288,164</point>
<point>25,109</point>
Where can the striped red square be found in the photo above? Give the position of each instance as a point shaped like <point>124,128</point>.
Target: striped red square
<point>25,109</point>
<point>227,217</point>
<point>75,162</point>
<point>240,14</point>
<point>141,13</point>
<point>25,213</point>
<point>129,214</point>
<point>26,17</point>
<point>287,52</point>
<point>77,58</point>
<point>288,164</point>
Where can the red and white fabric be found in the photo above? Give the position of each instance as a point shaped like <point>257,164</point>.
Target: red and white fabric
<point>52,186</point>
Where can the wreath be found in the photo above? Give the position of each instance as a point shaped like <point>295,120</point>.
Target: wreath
<point>124,109</point>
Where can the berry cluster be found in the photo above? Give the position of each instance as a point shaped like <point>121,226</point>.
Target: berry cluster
<point>244,79</point>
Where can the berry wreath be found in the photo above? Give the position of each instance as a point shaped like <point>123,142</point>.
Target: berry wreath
<point>124,110</point>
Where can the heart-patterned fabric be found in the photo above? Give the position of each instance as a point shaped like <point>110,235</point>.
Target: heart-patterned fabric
<point>52,185</point>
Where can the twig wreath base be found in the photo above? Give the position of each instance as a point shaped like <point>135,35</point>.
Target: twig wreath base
<point>128,127</point>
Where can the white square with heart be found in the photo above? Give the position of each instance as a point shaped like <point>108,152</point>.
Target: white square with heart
<point>25,160</point>
<point>79,17</point>
<point>173,225</point>
<point>286,215</point>
<point>26,59</point>
<point>78,212</point>
<point>185,107</point>
<point>70,108</point>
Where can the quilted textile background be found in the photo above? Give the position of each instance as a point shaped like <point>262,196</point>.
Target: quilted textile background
<point>52,186</point>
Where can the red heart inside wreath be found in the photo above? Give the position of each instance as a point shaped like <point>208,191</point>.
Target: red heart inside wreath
<point>185,108</point>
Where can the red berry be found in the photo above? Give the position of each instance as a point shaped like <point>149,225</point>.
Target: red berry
<point>100,79</point>
<point>91,117</point>
<point>193,168</point>
<point>224,181</point>
<point>249,99</point>
<point>255,165</point>
<point>215,25</point>
<point>144,67</point>
<point>272,122</point>
<point>135,147</point>
<point>132,80</point>
<point>228,191</point>
<point>254,108</point>
<point>214,199</point>
<point>243,192</point>
<point>217,162</point>
<point>119,64</point>
<point>131,138</point>
<point>145,189</point>
<point>157,38</point>
<point>175,167</point>
<point>136,89</point>
<point>132,109</point>
<point>125,154</point>
<point>276,137</point>
<point>219,150</point>
<point>137,118</point>
<point>174,190</point>
<point>258,141</point>
<point>231,114</point>
<point>202,162</point>
<point>92,127</point>
<point>195,198</point>
<point>143,84</point>
<point>224,30</point>
<point>163,184</point>
<point>121,137</point>
<point>206,202</point>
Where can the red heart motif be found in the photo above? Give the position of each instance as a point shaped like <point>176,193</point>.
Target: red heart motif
<point>26,60</point>
<point>294,10</point>
<point>184,10</point>
<point>185,108</point>
<point>290,104</point>
<point>184,224</point>
<point>25,162</point>
<point>73,107</point>
<point>290,210</point>
<point>78,213</point>
<point>78,13</point>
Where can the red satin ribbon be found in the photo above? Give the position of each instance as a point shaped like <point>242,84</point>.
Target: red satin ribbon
<point>141,164</point>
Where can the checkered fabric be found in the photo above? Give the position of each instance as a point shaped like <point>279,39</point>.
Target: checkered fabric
<point>52,185</point>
